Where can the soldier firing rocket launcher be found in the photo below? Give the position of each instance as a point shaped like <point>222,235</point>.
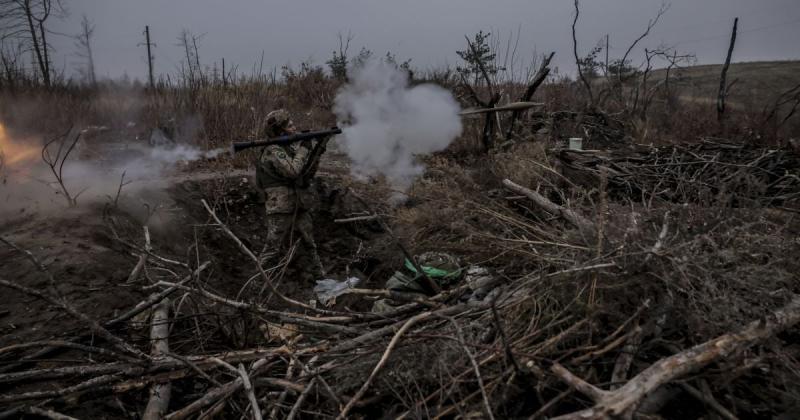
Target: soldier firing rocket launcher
<point>287,139</point>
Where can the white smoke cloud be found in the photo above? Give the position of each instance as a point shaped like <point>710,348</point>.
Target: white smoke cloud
<point>32,187</point>
<point>386,122</point>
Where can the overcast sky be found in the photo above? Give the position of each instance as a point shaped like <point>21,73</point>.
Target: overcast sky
<point>427,31</point>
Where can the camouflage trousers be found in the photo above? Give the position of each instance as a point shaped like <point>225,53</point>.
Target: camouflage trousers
<point>288,222</point>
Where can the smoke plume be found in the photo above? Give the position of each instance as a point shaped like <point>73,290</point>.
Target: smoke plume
<point>386,122</point>
<point>28,185</point>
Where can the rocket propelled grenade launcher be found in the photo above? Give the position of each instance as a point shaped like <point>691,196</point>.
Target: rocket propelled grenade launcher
<point>514,106</point>
<point>304,135</point>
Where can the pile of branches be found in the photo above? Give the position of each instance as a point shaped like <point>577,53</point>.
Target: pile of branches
<point>667,310</point>
<point>600,129</point>
<point>707,173</point>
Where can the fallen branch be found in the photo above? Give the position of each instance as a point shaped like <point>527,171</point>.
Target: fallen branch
<point>577,220</point>
<point>348,345</point>
<point>475,367</point>
<point>301,399</point>
<point>299,319</point>
<point>708,400</point>
<point>92,324</point>
<point>273,414</point>
<point>50,414</point>
<point>249,253</point>
<point>251,395</point>
<point>215,394</point>
<point>159,334</point>
<point>156,365</point>
<point>137,269</point>
<point>69,345</point>
<point>136,310</point>
<point>625,358</point>
<point>396,339</point>
<point>357,219</point>
<point>623,401</point>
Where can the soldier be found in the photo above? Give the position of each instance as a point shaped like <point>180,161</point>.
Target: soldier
<point>284,172</point>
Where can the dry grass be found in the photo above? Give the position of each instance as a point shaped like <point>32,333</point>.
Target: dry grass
<point>757,83</point>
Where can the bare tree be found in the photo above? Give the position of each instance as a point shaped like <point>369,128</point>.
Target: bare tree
<point>26,21</point>
<point>537,80</point>
<point>477,57</point>
<point>13,71</point>
<point>55,154</point>
<point>83,41</point>
<point>191,71</point>
<point>723,87</point>
<point>577,59</point>
<point>619,72</point>
<point>338,62</point>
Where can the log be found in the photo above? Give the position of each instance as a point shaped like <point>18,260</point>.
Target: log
<point>574,218</point>
<point>159,334</point>
<point>137,269</point>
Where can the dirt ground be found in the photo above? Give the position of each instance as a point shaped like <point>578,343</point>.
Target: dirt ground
<point>90,251</point>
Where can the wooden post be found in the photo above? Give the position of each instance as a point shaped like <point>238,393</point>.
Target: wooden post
<point>149,56</point>
<point>723,88</point>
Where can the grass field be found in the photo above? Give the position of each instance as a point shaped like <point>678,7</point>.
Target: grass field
<point>754,84</point>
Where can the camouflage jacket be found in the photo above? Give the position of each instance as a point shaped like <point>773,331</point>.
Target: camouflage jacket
<point>281,166</point>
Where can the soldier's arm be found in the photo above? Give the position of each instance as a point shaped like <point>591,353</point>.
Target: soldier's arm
<point>317,150</point>
<point>285,165</point>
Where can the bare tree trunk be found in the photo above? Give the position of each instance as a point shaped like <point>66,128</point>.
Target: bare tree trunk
<point>576,219</point>
<point>84,43</point>
<point>37,49</point>
<point>540,77</point>
<point>43,34</point>
<point>723,88</point>
<point>577,59</point>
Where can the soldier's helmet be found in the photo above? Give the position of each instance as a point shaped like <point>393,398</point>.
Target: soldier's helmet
<point>277,121</point>
<point>440,264</point>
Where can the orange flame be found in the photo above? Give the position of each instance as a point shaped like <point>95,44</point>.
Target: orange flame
<point>14,153</point>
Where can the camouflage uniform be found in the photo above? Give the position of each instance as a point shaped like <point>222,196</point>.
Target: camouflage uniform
<point>279,173</point>
<point>444,269</point>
